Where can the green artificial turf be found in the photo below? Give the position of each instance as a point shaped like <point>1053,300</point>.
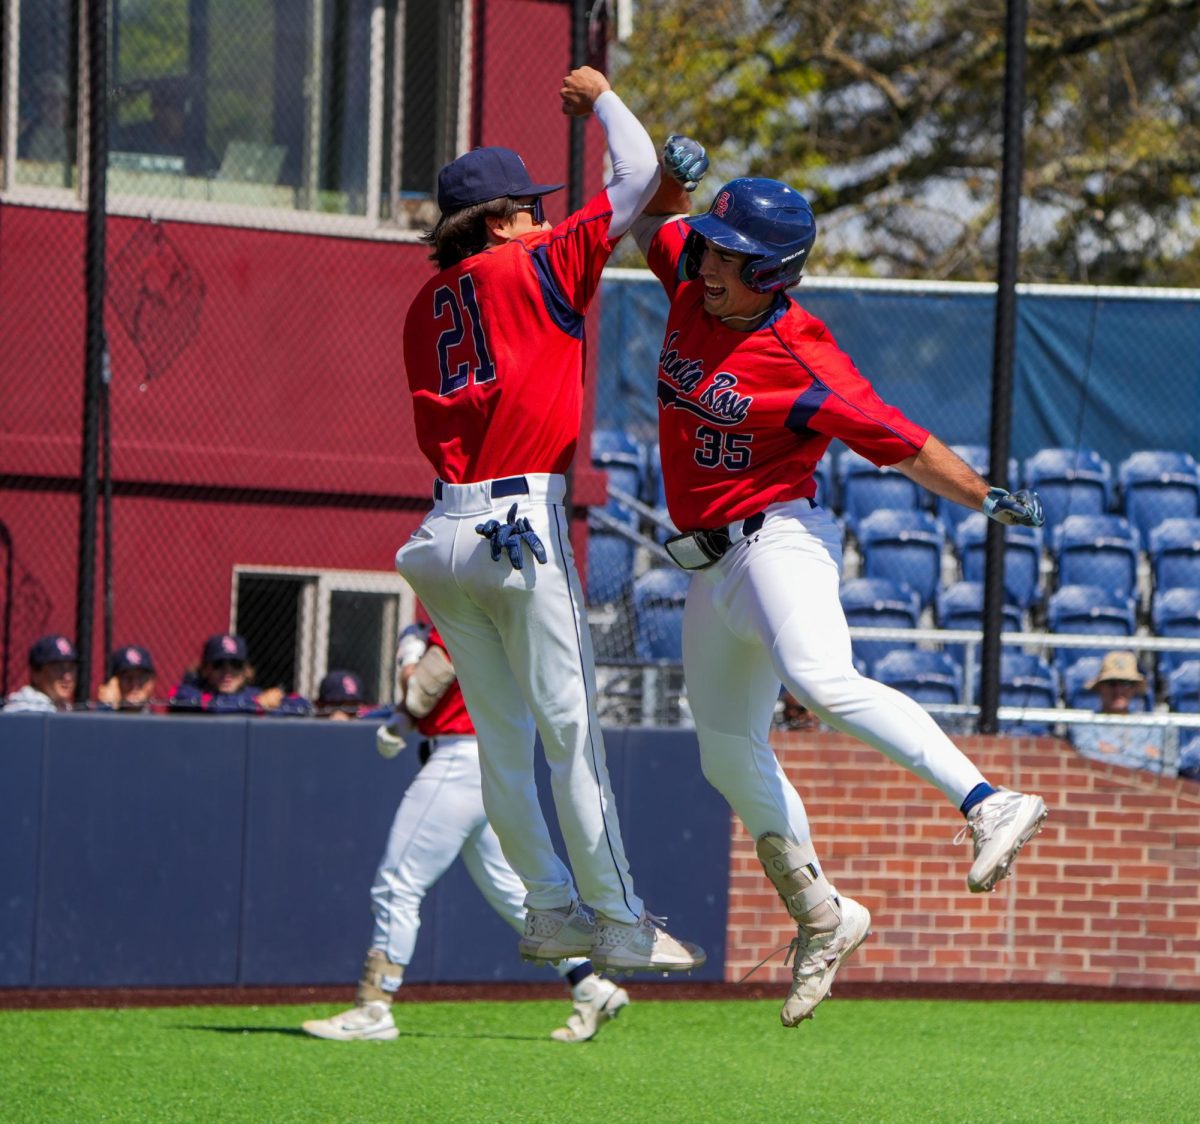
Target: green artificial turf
<point>726,1060</point>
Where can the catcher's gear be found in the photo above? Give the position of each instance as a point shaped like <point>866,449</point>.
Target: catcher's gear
<point>430,680</point>
<point>685,161</point>
<point>767,220</point>
<point>509,535</point>
<point>1022,507</point>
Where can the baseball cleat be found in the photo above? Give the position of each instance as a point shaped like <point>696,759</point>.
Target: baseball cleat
<point>552,935</point>
<point>816,957</point>
<point>371,1022</point>
<point>1000,826</point>
<point>596,1002</point>
<point>643,946</point>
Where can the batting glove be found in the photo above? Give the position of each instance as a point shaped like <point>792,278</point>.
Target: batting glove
<point>685,161</point>
<point>1022,508</point>
<point>509,535</point>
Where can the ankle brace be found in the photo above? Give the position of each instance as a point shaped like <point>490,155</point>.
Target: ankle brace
<point>376,969</point>
<point>807,894</point>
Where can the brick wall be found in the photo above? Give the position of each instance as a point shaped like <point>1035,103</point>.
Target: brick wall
<point>1107,895</point>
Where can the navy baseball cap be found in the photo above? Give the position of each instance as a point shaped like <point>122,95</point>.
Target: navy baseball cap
<point>224,646</point>
<point>483,174</point>
<point>132,657</point>
<point>52,649</point>
<point>340,687</point>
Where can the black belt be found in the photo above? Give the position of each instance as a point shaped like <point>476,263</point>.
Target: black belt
<point>506,486</point>
<point>697,550</point>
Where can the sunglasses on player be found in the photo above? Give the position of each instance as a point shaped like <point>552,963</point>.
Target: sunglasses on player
<point>535,210</point>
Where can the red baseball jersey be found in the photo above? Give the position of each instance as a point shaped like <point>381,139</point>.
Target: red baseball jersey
<point>450,715</point>
<point>494,350</point>
<point>743,417</point>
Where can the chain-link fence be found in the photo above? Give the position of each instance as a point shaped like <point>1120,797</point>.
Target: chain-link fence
<point>271,165</point>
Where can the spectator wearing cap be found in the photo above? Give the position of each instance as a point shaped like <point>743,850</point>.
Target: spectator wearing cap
<point>131,682</point>
<point>340,695</point>
<point>1118,683</point>
<point>224,682</point>
<point>53,665</point>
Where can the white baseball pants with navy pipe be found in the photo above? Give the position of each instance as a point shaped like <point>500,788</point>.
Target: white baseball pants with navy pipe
<point>520,645</point>
<point>769,612</point>
<point>440,817</point>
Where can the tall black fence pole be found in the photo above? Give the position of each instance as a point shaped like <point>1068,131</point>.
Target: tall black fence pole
<point>94,275</point>
<point>1003,352</point>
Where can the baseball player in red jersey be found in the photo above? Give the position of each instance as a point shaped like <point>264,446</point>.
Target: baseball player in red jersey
<point>441,817</point>
<point>751,389</point>
<point>493,350</point>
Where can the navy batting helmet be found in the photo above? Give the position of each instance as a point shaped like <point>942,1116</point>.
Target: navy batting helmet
<point>766,219</point>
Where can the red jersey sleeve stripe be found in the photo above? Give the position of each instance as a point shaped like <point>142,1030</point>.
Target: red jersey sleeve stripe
<point>557,305</point>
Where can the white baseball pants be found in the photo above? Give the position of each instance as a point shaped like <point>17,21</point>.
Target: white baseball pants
<point>441,817</point>
<point>520,644</point>
<point>768,612</point>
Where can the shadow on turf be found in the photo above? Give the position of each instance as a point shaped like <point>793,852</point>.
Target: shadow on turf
<point>295,1032</point>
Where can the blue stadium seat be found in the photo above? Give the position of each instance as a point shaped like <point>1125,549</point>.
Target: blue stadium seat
<point>1070,482</point>
<point>625,462</point>
<point>824,473</point>
<point>1097,550</point>
<point>978,457</point>
<point>865,488</point>
<point>610,558</point>
<point>1175,554</point>
<point>878,603</point>
<point>1175,613</point>
<point>658,600</point>
<point>905,547</point>
<point>1088,610</point>
<point>927,677</point>
<point>1183,688</point>
<point>960,606</point>
<point>1076,693</point>
<point>1189,757</point>
<point>1025,681</point>
<point>1022,558</point>
<point>1158,484</point>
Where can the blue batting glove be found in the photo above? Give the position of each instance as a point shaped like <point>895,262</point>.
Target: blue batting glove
<point>685,161</point>
<point>1023,507</point>
<point>508,536</point>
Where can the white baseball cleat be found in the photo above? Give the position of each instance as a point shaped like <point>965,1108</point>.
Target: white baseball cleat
<point>816,957</point>
<point>642,946</point>
<point>596,1002</point>
<point>372,1022</point>
<point>1000,826</point>
<point>552,935</point>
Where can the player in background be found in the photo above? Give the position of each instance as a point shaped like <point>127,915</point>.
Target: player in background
<point>493,350</point>
<point>440,817</point>
<point>751,389</point>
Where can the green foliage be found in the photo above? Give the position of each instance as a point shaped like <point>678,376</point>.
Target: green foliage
<point>888,115</point>
<point>662,1060</point>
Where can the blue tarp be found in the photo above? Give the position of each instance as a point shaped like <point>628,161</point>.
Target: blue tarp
<point>1110,370</point>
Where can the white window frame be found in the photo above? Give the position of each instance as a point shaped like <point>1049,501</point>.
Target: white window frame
<point>368,226</point>
<point>312,627</point>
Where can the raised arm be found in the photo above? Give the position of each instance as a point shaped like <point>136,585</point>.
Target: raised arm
<point>634,162</point>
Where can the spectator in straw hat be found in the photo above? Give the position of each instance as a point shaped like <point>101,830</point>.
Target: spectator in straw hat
<point>1118,683</point>
<point>53,665</point>
<point>131,682</point>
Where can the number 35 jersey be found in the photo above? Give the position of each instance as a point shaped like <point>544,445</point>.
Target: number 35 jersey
<point>745,416</point>
<point>494,351</point>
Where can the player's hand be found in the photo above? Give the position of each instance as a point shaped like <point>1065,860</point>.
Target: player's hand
<point>109,693</point>
<point>509,535</point>
<point>580,89</point>
<point>270,698</point>
<point>684,160</point>
<point>388,742</point>
<point>1022,508</point>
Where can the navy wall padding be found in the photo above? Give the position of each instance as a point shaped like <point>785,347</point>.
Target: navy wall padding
<point>141,851</point>
<point>21,737</point>
<point>173,851</point>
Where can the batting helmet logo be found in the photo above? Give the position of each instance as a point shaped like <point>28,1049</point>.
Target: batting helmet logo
<point>721,204</point>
